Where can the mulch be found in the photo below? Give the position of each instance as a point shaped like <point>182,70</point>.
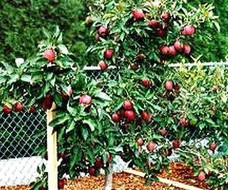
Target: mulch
<point>178,172</point>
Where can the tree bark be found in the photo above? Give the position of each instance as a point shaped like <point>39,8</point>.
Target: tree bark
<point>108,178</point>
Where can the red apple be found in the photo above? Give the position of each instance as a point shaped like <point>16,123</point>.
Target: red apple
<point>103,31</point>
<point>184,122</point>
<point>176,143</point>
<point>151,146</point>
<point>164,50</point>
<point>115,118</point>
<point>145,116</point>
<point>102,65</point>
<point>169,85</point>
<point>92,171</point>
<point>146,82</point>
<point>172,51</point>
<point>186,49</point>
<point>163,132</point>
<point>202,176</point>
<point>140,142</point>
<point>99,163</point>
<point>161,32</point>
<point>18,107</point>
<point>61,184</point>
<point>121,113</point>
<point>138,14</point>
<point>32,109</point>
<point>50,55</point>
<point>85,100</point>
<point>108,54</point>
<point>166,26</point>
<point>70,90</point>
<point>6,109</point>
<point>47,102</point>
<point>166,16</point>
<point>188,30</point>
<point>129,115</point>
<point>63,155</point>
<point>127,105</point>
<point>178,46</point>
<point>64,95</point>
<point>154,24</point>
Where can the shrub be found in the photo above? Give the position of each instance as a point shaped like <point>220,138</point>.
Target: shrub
<point>22,24</point>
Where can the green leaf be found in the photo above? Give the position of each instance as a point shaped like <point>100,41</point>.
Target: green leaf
<point>63,49</point>
<point>70,126</point>
<point>8,67</point>
<point>77,156</point>
<point>30,102</point>
<point>92,124</point>
<point>26,78</point>
<point>64,88</point>
<point>90,155</point>
<point>85,133</point>
<point>13,78</point>
<point>53,81</point>
<point>58,99</point>
<point>73,111</point>
<point>103,96</point>
<point>60,119</point>
<point>118,106</point>
<point>37,77</point>
<point>49,76</point>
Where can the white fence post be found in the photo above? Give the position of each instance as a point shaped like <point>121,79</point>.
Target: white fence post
<point>52,164</point>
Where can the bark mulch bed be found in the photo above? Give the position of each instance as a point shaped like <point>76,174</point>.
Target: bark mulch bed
<point>122,181</point>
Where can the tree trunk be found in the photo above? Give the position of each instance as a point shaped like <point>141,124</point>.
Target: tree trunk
<point>108,178</point>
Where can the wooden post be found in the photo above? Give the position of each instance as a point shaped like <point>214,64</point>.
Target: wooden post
<point>52,164</point>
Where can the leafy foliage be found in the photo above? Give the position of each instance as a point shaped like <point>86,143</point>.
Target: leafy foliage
<point>172,109</point>
<point>147,111</point>
<point>22,24</point>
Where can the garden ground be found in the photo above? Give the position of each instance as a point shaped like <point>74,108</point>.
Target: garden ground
<point>122,181</point>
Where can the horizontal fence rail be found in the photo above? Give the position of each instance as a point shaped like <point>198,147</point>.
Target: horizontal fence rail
<point>97,68</point>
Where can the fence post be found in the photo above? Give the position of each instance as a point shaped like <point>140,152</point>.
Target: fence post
<point>52,165</point>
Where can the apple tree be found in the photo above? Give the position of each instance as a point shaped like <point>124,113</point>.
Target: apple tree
<point>160,111</point>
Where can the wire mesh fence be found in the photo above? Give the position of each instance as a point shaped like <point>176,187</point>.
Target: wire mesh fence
<point>21,135</point>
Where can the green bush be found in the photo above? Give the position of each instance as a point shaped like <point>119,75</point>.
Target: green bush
<point>22,23</point>
<point>215,48</point>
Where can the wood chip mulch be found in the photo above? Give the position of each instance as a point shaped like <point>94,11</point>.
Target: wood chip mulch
<point>122,181</point>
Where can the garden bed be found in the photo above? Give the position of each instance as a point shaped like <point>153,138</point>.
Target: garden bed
<point>124,181</point>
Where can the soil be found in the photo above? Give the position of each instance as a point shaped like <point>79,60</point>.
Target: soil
<point>122,181</point>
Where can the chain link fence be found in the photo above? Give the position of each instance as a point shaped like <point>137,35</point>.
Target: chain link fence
<point>21,135</point>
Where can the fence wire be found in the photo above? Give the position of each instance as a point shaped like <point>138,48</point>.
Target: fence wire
<point>21,135</point>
